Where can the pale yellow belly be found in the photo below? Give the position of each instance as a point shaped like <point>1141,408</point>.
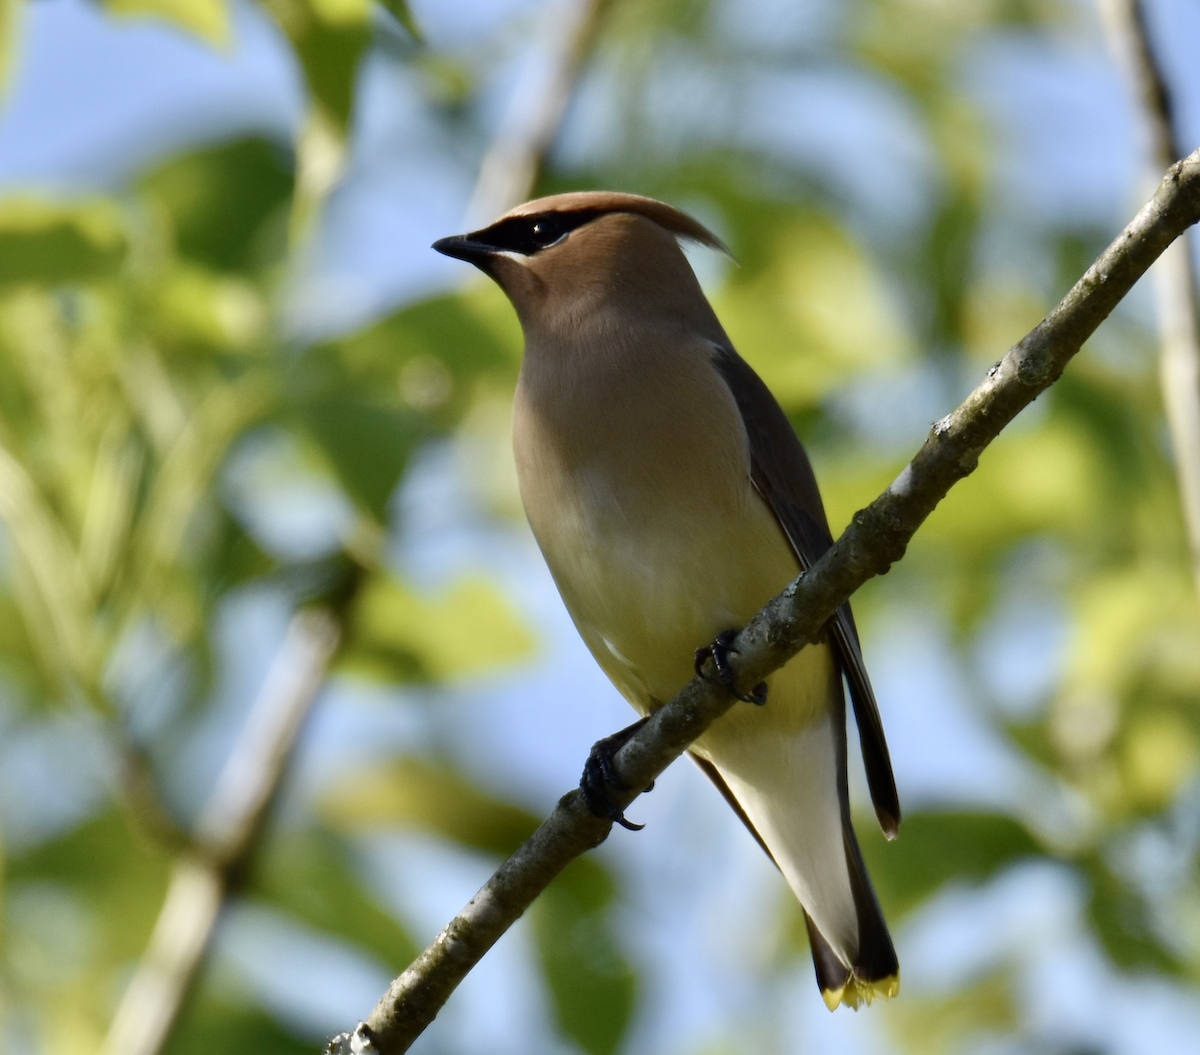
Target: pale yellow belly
<point>636,481</point>
<point>645,596</point>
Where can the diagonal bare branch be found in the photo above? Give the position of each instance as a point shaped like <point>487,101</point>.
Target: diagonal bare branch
<point>876,538</point>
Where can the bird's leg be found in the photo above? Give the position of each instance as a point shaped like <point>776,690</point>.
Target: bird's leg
<point>599,775</point>
<point>720,650</point>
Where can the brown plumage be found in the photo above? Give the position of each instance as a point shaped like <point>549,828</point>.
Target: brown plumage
<point>671,499</point>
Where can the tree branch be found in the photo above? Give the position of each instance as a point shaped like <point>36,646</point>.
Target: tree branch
<point>1175,275</point>
<point>225,836</point>
<point>876,537</point>
<point>513,162</point>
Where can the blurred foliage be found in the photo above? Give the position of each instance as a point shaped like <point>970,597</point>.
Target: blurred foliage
<point>208,19</point>
<point>225,1022</point>
<point>310,873</point>
<point>145,368</point>
<point>972,1014</point>
<point>939,847</point>
<point>419,794</point>
<point>592,985</point>
<point>466,631</point>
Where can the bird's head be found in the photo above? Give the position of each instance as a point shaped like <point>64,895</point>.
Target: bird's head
<point>560,257</point>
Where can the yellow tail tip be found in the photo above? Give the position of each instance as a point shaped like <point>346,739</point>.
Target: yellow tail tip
<point>857,992</point>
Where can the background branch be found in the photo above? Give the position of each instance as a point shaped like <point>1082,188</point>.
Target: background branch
<point>225,836</point>
<point>876,537</point>
<point>511,166</point>
<point>1175,275</point>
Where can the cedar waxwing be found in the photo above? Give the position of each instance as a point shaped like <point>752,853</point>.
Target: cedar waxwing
<point>671,500</point>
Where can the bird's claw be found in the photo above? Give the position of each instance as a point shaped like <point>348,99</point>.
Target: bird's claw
<point>599,774</point>
<point>719,651</point>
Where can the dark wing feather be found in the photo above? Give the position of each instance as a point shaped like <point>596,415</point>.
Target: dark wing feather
<point>781,473</point>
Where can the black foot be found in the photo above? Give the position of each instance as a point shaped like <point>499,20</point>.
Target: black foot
<point>720,650</point>
<point>599,775</point>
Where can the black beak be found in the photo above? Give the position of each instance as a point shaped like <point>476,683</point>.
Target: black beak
<point>465,247</point>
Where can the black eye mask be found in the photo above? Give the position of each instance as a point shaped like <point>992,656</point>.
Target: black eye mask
<point>531,234</point>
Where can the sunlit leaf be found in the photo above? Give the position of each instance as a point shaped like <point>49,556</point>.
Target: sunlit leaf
<point>109,514</point>
<point>182,487</point>
<point>330,38</point>
<point>1133,621</point>
<point>466,630</point>
<point>1160,752</point>
<point>471,332</point>
<point>122,877</point>
<point>321,156</point>
<point>196,307</point>
<point>59,242</point>
<point>10,25</point>
<point>939,1025</point>
<point>1030,480</point>
<point>416,793</point>
<point>51,586</point>
<point>208,19</point>
<point>814,312</point>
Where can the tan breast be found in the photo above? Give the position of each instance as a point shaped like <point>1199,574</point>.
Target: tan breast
<point>634,471</point>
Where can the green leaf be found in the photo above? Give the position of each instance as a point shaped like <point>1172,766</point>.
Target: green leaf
<point>228,205</point>
<point>1122,923</point>
<point>813,288</point>
<point>330,38</point>
<point>466,334</point>
<point>10,25</point>
<point>401,12</point>
<point>121,877</point>
<point>421,794</point>
<point>207,19</point>
<point>236,555</point>
<point>22,675</point>
<point>198,310</point>
<point>934,848</point>
<point>591,983</point>
<point>59,242</point>
<point>310,874</point>
<point>946,1023</point>
<point>367,438</point>
<point>213,1022</point>
<point>468,629</point>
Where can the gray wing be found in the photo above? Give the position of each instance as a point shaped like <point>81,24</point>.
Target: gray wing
<point>781,473</point>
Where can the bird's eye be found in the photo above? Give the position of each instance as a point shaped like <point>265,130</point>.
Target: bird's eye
<point>547,231</point>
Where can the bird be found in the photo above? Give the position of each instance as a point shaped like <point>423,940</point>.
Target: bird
<point>671,499</point>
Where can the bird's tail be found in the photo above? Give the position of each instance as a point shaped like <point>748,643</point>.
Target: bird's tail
<point>874,972</point>
<point>789,787</point>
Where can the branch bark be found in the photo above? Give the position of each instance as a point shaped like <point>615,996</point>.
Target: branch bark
<point>876,537</point>
<point>224,838</point>
<point>1175,275</point>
